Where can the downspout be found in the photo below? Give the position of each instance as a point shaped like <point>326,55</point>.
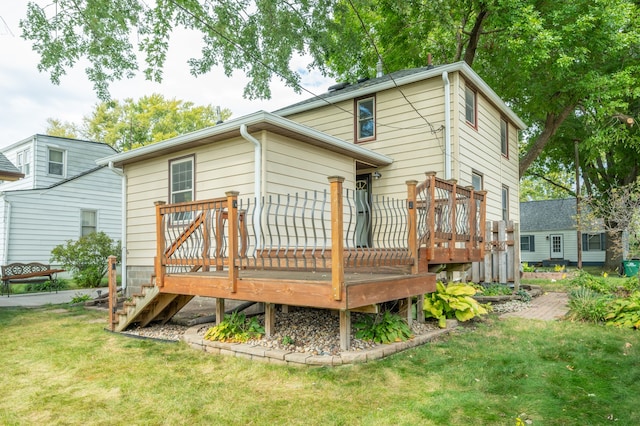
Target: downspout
<point>257,180</point>
<point>7,228</point>
<point>123,210</point>
<point>447,127</point>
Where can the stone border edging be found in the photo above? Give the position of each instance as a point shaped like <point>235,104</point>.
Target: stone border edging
<point>277,356</point>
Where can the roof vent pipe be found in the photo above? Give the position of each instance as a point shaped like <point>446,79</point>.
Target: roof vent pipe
<point>379,70</point>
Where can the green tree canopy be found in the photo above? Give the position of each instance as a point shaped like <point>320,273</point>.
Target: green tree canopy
<point>545,59</point>
<point>129,124</point>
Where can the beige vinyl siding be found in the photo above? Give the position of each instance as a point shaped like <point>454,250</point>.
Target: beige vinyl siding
<point>293,166</point>
<point>480,150</point>
<point>401,133</point>
<point>221,167</point>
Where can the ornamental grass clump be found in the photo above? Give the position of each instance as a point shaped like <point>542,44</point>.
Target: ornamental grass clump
<point>452,301</point>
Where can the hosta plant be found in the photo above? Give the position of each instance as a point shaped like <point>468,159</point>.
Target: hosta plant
<point>382,328</point>
<point>452,301</point>
<point>235,328</point>
<point>624,312</point>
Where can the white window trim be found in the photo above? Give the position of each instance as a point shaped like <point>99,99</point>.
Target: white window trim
<point>470,89</point>
<point>64,161</point>
<point>89,211</point>
<point>357,119</point>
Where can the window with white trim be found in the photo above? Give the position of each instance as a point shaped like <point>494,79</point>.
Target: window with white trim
<point>594,242</point>
<point>528,243</point>
<point>23,161</point>
<point>56,162</point>
<point>476,181</point>
<point>88,221</point>
<point>181,185</point>
<point>470,103</point>
<point>365,119</point>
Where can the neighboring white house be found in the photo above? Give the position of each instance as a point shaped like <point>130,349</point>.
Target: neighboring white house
<point>548,235</point>
<point>62,196</point>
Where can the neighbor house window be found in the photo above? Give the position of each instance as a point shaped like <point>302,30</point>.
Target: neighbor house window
<point>504,137</point>
<point>505,203</point>
<point>23,161</point>
<point>476,181</point>
<point>89,222</point>
<point>470,103</point>
<point>365,119</point>
<point>56,162</point>
<point>593,242</point>
<point>527,243</point>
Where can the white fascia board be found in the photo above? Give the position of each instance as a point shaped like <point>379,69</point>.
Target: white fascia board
<point>435,72</point>
<point>248,120</point>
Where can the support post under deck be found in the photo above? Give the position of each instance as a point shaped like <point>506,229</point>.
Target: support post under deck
<point>345,329</point>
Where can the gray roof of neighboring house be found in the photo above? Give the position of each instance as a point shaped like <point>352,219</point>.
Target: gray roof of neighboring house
<point>548,215</point>
<point>8,171</point>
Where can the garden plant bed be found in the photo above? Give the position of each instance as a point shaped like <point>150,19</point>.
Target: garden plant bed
<point>548,275</point>
<point>533,290</point>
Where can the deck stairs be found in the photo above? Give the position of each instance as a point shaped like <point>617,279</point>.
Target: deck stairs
<point>149,305</point>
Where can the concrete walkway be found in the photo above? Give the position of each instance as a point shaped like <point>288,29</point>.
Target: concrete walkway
<point>31,300</point>
<point>548,307</point>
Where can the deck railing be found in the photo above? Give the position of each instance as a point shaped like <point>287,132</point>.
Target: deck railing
<point>330,230</point>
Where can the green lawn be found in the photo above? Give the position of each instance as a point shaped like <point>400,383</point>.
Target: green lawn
<point>61,367</point>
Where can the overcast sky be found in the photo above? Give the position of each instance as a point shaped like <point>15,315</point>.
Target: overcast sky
<point>28,98</point>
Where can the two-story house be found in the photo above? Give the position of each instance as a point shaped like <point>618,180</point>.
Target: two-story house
<point>267,177</point>
<point>62,196</point>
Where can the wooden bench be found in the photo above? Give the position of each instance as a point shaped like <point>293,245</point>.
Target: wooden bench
<point>21,273</point>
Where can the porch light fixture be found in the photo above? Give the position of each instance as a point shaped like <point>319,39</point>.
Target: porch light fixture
<point>377,175</point>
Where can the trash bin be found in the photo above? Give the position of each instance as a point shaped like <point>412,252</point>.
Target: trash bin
<point>631,267</point>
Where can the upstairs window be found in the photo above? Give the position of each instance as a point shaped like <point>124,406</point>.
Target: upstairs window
<point>365,119</point>
<point>470,103</point>
<point>89,222</point>
<point>476,181</point>
<point>504,137</point>
<point>181,180</point>
<point>23,161</point>
<point>56,162</point>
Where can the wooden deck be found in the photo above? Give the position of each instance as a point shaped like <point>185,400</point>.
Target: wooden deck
<point>302,288</point>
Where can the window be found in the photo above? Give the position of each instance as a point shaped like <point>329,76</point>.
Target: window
<point>593,242</point>
<point>476,181</point>
<point>365,119</point>
<point>23,161</point>
<point>56,162</point>
<point>504,137</point>
<point>470,106</point>
<point>505,203</point>
<point>89,222</point>
<point>527,243</point>
<point>181,185</point>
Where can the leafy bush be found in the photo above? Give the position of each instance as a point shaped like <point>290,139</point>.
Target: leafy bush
<point>79,298</point>
<point>524,295</point>
<point>86,258</point>
<point>597,284</point>
<point>235,328</point>
<point>495,289</point>
<point>382,328</point>
<point>454,300</point>
<point>527,268</point>
<point>59,284</point>
<point>624,312</point>
<point>588,305</point>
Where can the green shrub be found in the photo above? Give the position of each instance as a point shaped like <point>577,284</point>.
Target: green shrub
<point>79,298</point>
<point>496,289</point>
<point>453,300</point>
<point>86,258</point>
<point>59,284</point>
<point>527,268</point>
<point>587,305</point>
<point>624,312</point>
<point>235,328</point>
<point>597,284</point>
<point>524,295</point>
<point>382,328</point>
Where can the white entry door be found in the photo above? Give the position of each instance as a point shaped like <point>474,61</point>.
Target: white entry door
<point>557,246</point>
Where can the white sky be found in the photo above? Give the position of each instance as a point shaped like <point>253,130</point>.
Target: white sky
<point>28,98</point>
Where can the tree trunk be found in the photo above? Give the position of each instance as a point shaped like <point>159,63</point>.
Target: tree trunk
<point>474,36</point>
<point>613,247</point>
<point>551,125</point>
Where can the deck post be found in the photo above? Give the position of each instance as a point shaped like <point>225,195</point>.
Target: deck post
<point>345,329</point>
<point>232,208</point>
<point>113,292</point>
<point>454,218</point>
<point>413,223</point>
<point>472,221</point>
<point>431,215</point>
<point>482,221</point>
<point>219,310</point>
<point>159,260</point>
<point>269,319</point>
<point>337,236</point>
<point>405,310</point>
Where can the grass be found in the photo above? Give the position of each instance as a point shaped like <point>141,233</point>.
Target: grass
<point>59,366</point>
